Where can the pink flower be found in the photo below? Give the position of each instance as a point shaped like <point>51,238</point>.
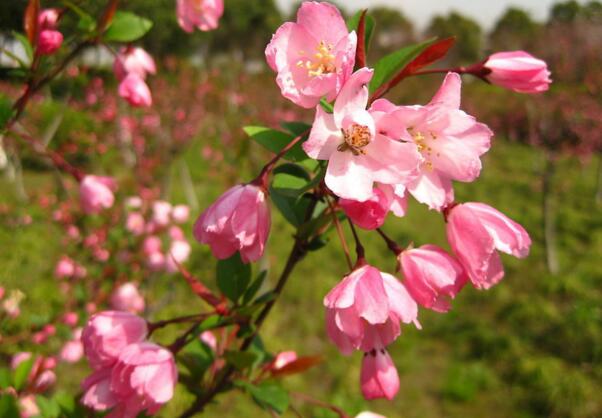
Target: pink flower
<point>133,202</point>
<point>238,221</point>
<point>209,339</point>
<point>370,214</point>
<point>107,334</point>
<point>49,18</point>
<point>475,231</point>
<point>202,14</point>
<point>132,60</point>
<point>65,268</point>
<point>162,212</point>
<point>432,276</point>
<point>19,358</point>
<point>450,141</point>
<point>127,298</point>
<point>518,71</point>
<point>72,351</point>
<point>353,141</point>
<point>379,378</point>
<point>135,91</point>
<point>142,379</point>
<point>364,310</point>
<point>70,319</point>
<point>44,381</point>
<point>28,406</point>
<point>156,261</point>
<point>368,414</point>
<point>152,244</point>
<point>179,252</point>
<point>180,214</point>
<point>135,223</point>
<point>284,358</point>
<point>49,41</point>
<point>313,57</point>
<point>96,193</point>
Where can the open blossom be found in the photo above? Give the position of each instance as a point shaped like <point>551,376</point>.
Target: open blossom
<point>450,141</point>
<point>96,193</point>
<point>518,71</point>
<point>133,89</point>
<point>127,298</point>
<point>202,14</point>
<point>352,141</point>
<point>179,251</point>
<point>180,214</point>
<point>476,232</point>
<point>143,378</point>
<point>133,60</point>
<point>432,276</point>
<point>364,310</point>
<point>106,335</point>
<point>378,377</point>
<point>135,223</point>
<point>238,221</point>
<point>162,212</point>
<point>313,57</point>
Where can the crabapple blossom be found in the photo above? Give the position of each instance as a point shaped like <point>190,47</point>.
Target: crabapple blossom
<point>48,18</point>
<point>365,309</point>
<point>450,141</point>
<point>432,276</point>
<point>208,338</point>
<point>96,193</point>
<point>356,145</point>
<point>135,91</point>
<point>378,377</point>
<point>518,71</point>
<point>127,298</point>
<point>180,214</point>
<point>133,60</point>
<point>73,350</point>
<point>476,232</point>
<point>201,14</point>
<point>135,223</point>
<point>238,221</point>
<point>49,41</point>
<point>313,57</point>
<point>28,406</point>
<point>372,213</point>
<point>283,358</point>
<point>162,212</point>
<point>179,251</point>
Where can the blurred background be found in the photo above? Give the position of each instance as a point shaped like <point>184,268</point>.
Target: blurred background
<point>530,347</point>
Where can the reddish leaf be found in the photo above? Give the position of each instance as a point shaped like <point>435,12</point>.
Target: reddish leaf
<point>298,366</point>
<point>198,288</point>
<point>360,52</point>
<point>107,16</point>
<point>431,54</point>
<point>30,20</point>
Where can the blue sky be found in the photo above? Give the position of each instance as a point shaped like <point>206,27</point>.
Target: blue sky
<point>420,11</point>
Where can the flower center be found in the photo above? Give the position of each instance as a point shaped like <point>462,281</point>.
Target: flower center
<point>322,62</point>
<point>422,144</point>
<point>356,137</point>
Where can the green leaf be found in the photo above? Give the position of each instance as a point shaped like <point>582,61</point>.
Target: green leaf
<point>4,378</point>
<point>296,127</point>
<point>21,373</point>
<point>8,407</point>
<point>240,359</point>
<point>391,64</point>
<point>233,277</point>
<point>49,408</point>
<point>354,21</point>
<point>196,357</point>
<point>275,141</point>
<point>25,43</point>
<point>292,208</point>
<point>290,180</point>
<point>268,395</point>
<point>6,110</point>
<point>86,22</point>
<point>127,27</point>
<point>254,288</point>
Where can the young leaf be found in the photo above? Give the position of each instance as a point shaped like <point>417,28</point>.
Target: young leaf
<point>292,208</point>
<point>290,180</point>
<point>298,366</point>
<point>233,277</point>
<point>391,64</point>
<point>275,141</point>
<point>196,357</point>
<point>8,407</point>
<point>127,27</point>
<point>6,110</point>
<point>49,408</point>
<point>4,378</point>
<point>240,359</point>
<point>21,373</point>
<point>296,128</point>
<point>429,55</point>
<point>30,20</point>
<point>254,288</point>
<point>25,44</point>
<point>353,24</point>
<point>269,395</point>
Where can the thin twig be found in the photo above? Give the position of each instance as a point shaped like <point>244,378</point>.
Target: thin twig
<point>340,233</point>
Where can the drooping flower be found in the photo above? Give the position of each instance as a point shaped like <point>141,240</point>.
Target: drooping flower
<point>476,232</point>
<point>133,89</point>
<point>450,141</point>
<point>378,377</point>
<point>96,193</point>
<point>127,298</point>
<point>432,276</point>
<point>365,309</point>
<point>352,139</point>
<point>518,71</point>
<point>313,57</point>
<point>133,60</point>
<point>238,221</point>
<point>201,14</point>
<point>106,335</point>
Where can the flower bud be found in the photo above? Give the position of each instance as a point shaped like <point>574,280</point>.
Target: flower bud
<point>518,71</point>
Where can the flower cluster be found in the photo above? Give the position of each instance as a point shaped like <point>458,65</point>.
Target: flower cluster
<point>131,66</point>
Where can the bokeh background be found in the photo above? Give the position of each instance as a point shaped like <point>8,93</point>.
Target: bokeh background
<point>530,347</point>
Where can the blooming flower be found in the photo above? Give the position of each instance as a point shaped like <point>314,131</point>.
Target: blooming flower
<point>432,276</point>
<point>518,71</point>
<point>352,141</point>
<point>162,212</point>
<point>135,223</point>
<point>133,89</point>
<point>127,298</point>
<point>202,14</point>
<point>96,193</point>
<point>132,60</point>
<point>378,377</point>
<point>450,141</point>
<point>180,214</point>
<point>313,57</point>
<point>364,310</point>
<point>238,221</point>
<point>475,231</point>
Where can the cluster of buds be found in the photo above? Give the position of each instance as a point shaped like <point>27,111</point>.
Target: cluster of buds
<point>131,66</point>
<point>49,38</point>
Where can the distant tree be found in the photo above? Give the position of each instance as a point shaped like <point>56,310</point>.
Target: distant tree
<point>467,32</point>
<point>514,30</point>
<point>565,11</point>
<point>393,30</point>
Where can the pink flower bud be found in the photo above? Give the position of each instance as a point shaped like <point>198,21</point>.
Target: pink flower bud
<point>238,221</point>
<point>132,60</point>
<point>96,193</point>
<point>156,261</point>
<point>203,15</point>
<point>135,223</point>
<point>284,358</point>
<point>151,245</point>
<point>432,276</point>
<point>180,214</point>
<point>127,298</point>
<point>209,339</point>
<point>162,213</point>
<point>176,233</point>
<point>133,202</point>
<point>70,319</point>
<point>107,334</point>
<point>379,378</point>
<point>364,310</point>
<point>45,381</point>
<point>518,71</point>
<point>72,351</point>
<point>28,406</point>
<point>49,41</point>
<point>19,358</point>
<point>370,214</point>
<point>135,91</point>
<point>179,252</point>
<point>65,268</point>
<point>48,18</point>
<point>475,231</point>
